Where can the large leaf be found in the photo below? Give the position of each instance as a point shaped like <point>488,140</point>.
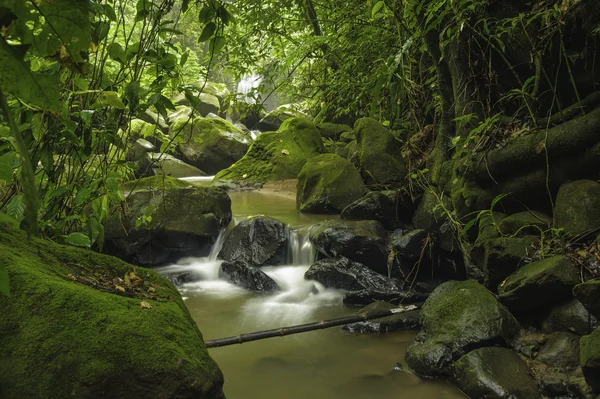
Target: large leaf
<point>16,77</point>
<point>8,163</point>
<point>16,208</point>
<point>78,240</point>
<point>207,32</point>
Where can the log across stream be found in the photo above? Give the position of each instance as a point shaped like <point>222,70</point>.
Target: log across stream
<point>322,364</point>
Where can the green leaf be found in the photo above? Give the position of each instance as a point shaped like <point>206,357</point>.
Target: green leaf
<point>376,8</point>
<point>207,32</point>
<point>41,90</point>
<point>117,53</point>
<point>4,282</point>
<point>81,84</point>
<point>184,58</point>
<point>8,163</point>
<point>217,44</point>
<point>225,16</point>
<point>108,99</point>
<point>132,92</point>
<point>16,208</point>
<point>78,240</point>
<point>110,12</point>
<point>206,13</point>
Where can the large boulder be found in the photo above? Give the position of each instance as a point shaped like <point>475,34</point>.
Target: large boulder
<point>494,373</point>
<point>345,274</point>
<point>588,294</point>
<point>205,103</point>
<point>577,208</point>
<point>589,356</point>
<point>155,163</point>
<point>332,131</point>
<point>164,219</point>
<point>362,241</point>
<point>257,241</point>
<point>251,278</point>
<point>327,184</point>
<point>379,153</point>
<point>502,256</point>
<point>79,324</point>
<point>525,223</point>
<point>458,316</point>
<point>569,316</point>
<point>276,155</point>
<point>210,144</point>
<point>390,208</point>
<point>274,119</point>
<point>560,350</point>
<point>539,283</point>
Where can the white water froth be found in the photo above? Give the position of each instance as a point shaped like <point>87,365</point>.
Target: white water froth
<point>197,178</point>
<point>247,84</point>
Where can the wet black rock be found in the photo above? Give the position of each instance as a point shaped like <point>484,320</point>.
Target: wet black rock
<point>362,241</point>
<point>251,278</point>
<point>346,274</point>
<point>589,356</point>
<point>258,241</point>
<point>402,321</point>
<point>569,316</point>
<point>561,350</point>
<point>588,294</point>
<point>366,297</point>
<point>390,208</point>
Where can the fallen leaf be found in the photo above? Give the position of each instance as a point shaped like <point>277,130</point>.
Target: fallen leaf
<point>145,305</point>
<point>132,276</point>
<point>120,288</point>
<point>151,289</point>
<point>285,152</point>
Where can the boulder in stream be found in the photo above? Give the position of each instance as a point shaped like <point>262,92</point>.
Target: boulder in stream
<point>251,278</point>
<point>401,321</point>
<point>569,316</point>
<point>257,241</point>
<point>327,184</point>
<point>389,207</point>
<point>68,331</point>
<point>589,355</point>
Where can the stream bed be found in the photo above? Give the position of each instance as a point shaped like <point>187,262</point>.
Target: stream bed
<point>324,364</point>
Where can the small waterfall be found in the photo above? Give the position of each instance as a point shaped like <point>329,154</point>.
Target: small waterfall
<point>300,250</point>
<point>216,248</point>
<point>246,85</point>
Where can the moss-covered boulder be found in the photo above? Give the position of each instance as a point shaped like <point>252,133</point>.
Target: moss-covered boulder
<point>210,144</point>
<point>327,184</point>
<point>569,316</point>
<point>332,131</point>
<point>361,241</point>
<point>494,373</point>
<point>577,208</point>
<point>163,219</point>
<point>589,355</point>
<point>348,137</point>
<point>67,332</point>
<point>503,256</point>
<point>155,163</point>
<point>588,294</point>
<point>458,316</point>
<point>525,223</point>
<point>539,283</point>
<point>275,155</point>
<point>379,153</point>
<point>207,103</point>
<point>274,119</point>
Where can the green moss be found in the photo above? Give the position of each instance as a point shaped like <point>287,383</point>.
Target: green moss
<point>502,256</point>
<point>589,356</point>
<point>62,339</point>
<point>155,183</point>
<point>276,155</point>
<point>333,130</point>
<point>524,223</point>
<point>577,207</point>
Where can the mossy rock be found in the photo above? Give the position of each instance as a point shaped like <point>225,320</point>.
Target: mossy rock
<point>569,316</point>
<point>332,131</point>
<point>379,153</point>
<point>489,226</point>
<point>525,223</point>
<point>577,208</point>
<point>388,207</point>
<point>210,144</point>
<point>589,356</point>
<point>348,137</point>
<point>494,373</point>
<point>457,317</point>
<point>63,338</point>
<point>588,294</point>
<point>560,350</point>
<point>181,111</point>
<point>276,155</point>
<point>274,119</point>
<point>503,256</point>
<point>184,219</point>
<point>218,90</point>
<point>539,283</point>
<point>327,184</point>
<point>167,165</point>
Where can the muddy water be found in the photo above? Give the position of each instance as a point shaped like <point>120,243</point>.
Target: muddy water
<point>326,364</point>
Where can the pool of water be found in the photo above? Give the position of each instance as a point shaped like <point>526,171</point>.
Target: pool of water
<point>324,364</point>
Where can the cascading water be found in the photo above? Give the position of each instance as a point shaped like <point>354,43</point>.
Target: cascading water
<point>246,85</point>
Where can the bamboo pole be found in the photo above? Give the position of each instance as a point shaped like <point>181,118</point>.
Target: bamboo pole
<point>319,325</point>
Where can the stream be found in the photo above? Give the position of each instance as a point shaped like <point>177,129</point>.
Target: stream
<point>324,364</point>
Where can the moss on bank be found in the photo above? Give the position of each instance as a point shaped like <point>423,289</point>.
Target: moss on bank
<point>62,339</point>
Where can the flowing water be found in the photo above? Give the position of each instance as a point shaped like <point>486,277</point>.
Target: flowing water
<point>325,364</point>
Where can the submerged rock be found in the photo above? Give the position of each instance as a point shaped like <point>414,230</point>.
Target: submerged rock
<point>401,321</point>
<point>68,332</point>
<point>257,241</point>
<point>362,241</point>
<point>458,316</point>
<point>494,373</point>
<point>589,356</point>
<point>251,278</point>
<point>577,208</point>
<point>327,184</point>
<point>539,283</point>
<point>588,294</point>
<point>184,220</point>
<point>343,273</point>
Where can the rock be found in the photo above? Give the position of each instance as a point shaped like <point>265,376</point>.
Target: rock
<point>588,294</point>
<point>560,350</point>
<point>366,297</point>
<point>251,278</point>
<point>276,155</point>
<point>348,137</point>
<point>181,111</point>
<point>458,316</point>
<point>577,207</point>
<point>274,119</point>
<point>63,338</point>
<point>207,104</point>
<point>525,223</point>
<point>332,131</point>
<point>257,241</point>
<point>494,373</point>
<point>218,90</point>
<point>539,283</point>
<point>401,321</point>
<point>380,156</point>
<point>139,148</point>
<point>209,144</point>
<point>154,119</point>
<point>345,274</point>
<point>362,241</point>
<point>327,184</point>
<point>410,254</point>
<point>503,256</point>
<point>185,220</point>
<point>167,165</point>
<point>569,316</point>
<point>390,208</point>
<point>589,356</point>
<point>489,226</point>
